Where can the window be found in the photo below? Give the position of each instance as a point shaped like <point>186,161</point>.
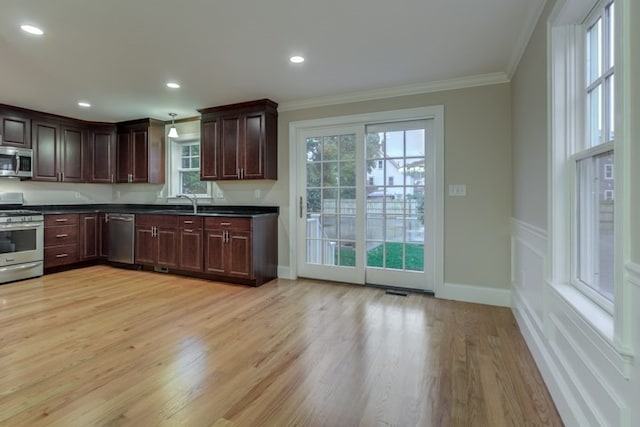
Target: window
<point>390,180</point>
<point>370,180</point>
<point>184,163</point>
<point>593,159</point>
<point>583,153</point>
<point>380,164</point>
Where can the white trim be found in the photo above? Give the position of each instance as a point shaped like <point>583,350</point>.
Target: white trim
<point>431,112</point>
<point>531,20</point>
<point>413,89</point>
<point>284,272</point>
<point>633,273</point>
<point>476,294</point>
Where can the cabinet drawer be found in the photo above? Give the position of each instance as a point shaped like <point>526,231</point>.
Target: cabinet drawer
<point>67,219</point>
<point>61,235</point>
<point>227,223</point>
<point>60,255</point>
<point>190,221</point>
<point>165,221</point>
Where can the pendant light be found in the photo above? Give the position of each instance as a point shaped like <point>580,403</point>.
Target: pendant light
<point>173,132</point>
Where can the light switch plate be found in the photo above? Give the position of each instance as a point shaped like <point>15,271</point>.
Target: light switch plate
<point>457,190</point>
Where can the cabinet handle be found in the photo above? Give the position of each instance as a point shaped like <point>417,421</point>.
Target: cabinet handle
<point>62,219</point>
<point>188,230</point>
<point>62,255</point>
<point>61,235</point>
<point>226,233</point>
<point>188,222</point>
<point>225,224</point>
<point>112,178</point>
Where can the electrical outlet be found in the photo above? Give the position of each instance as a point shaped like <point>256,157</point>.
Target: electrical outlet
<point>77,195</point>
<point>219,194</point>
<point>257,193</point>
<point>458,190</point>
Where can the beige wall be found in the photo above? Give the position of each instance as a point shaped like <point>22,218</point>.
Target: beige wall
<point>529,109</point>
<point>477,153</point>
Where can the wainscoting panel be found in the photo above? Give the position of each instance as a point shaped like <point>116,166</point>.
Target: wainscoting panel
<point>591,383</point>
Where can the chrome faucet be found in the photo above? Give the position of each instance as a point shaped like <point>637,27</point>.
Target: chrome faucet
<point>192,198</point>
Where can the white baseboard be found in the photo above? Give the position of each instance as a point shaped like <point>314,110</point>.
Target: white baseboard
<point>284,272</point>
<point>476,294</point>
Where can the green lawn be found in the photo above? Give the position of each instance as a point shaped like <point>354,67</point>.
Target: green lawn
<point>375,256</point>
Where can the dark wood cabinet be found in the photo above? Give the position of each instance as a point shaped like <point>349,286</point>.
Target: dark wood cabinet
<point>103,225</point>
<point>190,251</point>
<point>239,141</point>
<point>60,240</point>
<point>57,152</point>
<point>157,240</point>
<point>89,239</point>
<point>15,129</point>
<point>140,156</point>
<point>242,248</point>
<point>101,154</point>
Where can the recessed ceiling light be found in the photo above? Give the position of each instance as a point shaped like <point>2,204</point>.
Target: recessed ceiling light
<point>84,104</point>
<point>173,85</point>
<point>296,59</point>
<point>32,30</point>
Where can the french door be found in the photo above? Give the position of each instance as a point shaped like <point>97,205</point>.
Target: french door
<point>366,203</point>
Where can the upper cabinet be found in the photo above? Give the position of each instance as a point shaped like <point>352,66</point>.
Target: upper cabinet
<point>101,154</point>
<point>15,129</point>
<point>239,141</point>
<point>57,151</point>
<point>140,152</point>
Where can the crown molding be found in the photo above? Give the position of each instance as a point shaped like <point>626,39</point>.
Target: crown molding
<point>413,89</point>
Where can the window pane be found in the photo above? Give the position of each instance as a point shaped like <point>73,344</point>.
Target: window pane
<point>348,147</point>
<point>415,143</point>
<point>185,163</point>
<point>611,106</point>
<point>595,210</point>
<point>195,150</point>
<point>195,163</point>
<point>595,116</point>
<point>612,27</point>
<point>314,151</point>
<point>185,151</point>
<point>594,51</point>
<point>330,147</point>
<point>190,183</point>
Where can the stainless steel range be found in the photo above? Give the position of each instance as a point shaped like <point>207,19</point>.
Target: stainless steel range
<point>21,240</point>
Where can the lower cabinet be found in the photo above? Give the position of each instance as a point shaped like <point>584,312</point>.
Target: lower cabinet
<point>190,251</point>
<point>157,240</point>
<point>244,248</point>
<point>89,236</point>
<point>60,240</point>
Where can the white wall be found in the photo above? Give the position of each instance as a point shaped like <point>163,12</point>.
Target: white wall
<point>592,383</point>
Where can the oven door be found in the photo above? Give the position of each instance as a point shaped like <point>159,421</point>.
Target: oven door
<point>21,243</point>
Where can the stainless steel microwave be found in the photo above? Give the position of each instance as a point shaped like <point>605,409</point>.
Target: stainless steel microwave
<point>16,162</point>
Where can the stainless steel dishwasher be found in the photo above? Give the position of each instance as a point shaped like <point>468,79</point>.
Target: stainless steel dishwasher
<point>122,237</point>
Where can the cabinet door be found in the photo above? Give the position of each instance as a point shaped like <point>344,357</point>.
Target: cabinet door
<point>70,153</point>
<point>101,156</point>
<point>45,154</point>
<point>229,147</point>
<point>89,236</point>
<point>209,150</point>
<point>104,236</point>
<point>239,255</point>
<point>253,146</point>
<point>123,156</point>
<point>167,248</point>
<point>190,250</point>
<point>214,257</point>
<point>140,156</point>
<point>15,131</point>
<point>145,245</point>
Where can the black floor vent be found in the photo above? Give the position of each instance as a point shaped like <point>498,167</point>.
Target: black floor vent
<point>392,292</point>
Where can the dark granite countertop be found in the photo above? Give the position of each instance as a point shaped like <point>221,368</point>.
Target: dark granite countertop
<point>207,210</point>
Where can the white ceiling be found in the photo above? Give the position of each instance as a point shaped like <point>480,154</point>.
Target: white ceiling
<point>118,54</point>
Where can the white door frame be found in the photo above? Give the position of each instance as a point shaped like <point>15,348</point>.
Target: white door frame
<point>431,112</point>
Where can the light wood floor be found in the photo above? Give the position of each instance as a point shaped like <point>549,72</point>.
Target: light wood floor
<point>105,347</point>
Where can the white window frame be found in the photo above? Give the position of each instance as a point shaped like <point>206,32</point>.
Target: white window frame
<point>566,70</point>
<point>608,171</point>
<point>174,165</point>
